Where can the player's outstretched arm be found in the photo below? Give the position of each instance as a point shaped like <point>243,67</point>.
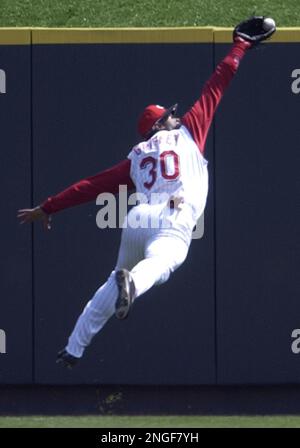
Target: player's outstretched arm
<point>88,189</point>
<point>85,190</point>
<point>246,34</point>
<point>199,118</point>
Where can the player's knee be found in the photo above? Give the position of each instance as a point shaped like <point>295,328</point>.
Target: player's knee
<point>167,267</point>
<point>164,277</point>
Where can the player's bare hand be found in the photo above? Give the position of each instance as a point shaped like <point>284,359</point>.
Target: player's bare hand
<point>27,215</point>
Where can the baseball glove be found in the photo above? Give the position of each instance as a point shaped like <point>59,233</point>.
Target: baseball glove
<point>255,29</point>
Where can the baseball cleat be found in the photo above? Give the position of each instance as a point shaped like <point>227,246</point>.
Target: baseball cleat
<point>66,359</point>
<point>125,298</point>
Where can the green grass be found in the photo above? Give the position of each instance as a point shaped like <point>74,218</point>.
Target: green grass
<point>151,422</point>
<point>134,13</point>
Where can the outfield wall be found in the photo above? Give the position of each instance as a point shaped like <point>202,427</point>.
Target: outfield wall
<point>69,101</point>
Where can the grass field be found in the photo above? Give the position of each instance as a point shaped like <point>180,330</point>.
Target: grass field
<point>152,422</point>
<point>135,13</point>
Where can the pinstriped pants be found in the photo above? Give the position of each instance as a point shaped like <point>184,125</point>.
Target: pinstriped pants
<point>150,254</point>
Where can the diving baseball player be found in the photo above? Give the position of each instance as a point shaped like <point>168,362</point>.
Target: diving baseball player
<point>169,170</point>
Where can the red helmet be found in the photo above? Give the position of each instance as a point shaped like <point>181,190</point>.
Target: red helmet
<point>151,115</point>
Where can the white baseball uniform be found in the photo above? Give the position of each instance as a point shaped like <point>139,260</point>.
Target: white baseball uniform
<point>169,165</point>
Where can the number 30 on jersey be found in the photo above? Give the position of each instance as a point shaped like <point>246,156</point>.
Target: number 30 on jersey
<point>167,166</point>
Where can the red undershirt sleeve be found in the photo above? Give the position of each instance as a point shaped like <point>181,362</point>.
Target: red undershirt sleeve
<point>88,189</point>
<point>199,118</point>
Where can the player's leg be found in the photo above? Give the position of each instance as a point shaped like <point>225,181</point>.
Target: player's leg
<point>102,305</point>
<point>163,255</point>
<point>131,248</point>
<point>163,252</point>
<point>94,316</point>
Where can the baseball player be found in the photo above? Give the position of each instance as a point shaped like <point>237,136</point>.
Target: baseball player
<point>169,169</point>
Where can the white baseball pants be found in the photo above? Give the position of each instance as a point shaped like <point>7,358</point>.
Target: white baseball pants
<point>151,255</point>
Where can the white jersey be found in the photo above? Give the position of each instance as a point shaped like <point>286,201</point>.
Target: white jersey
<point>171,164</point>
